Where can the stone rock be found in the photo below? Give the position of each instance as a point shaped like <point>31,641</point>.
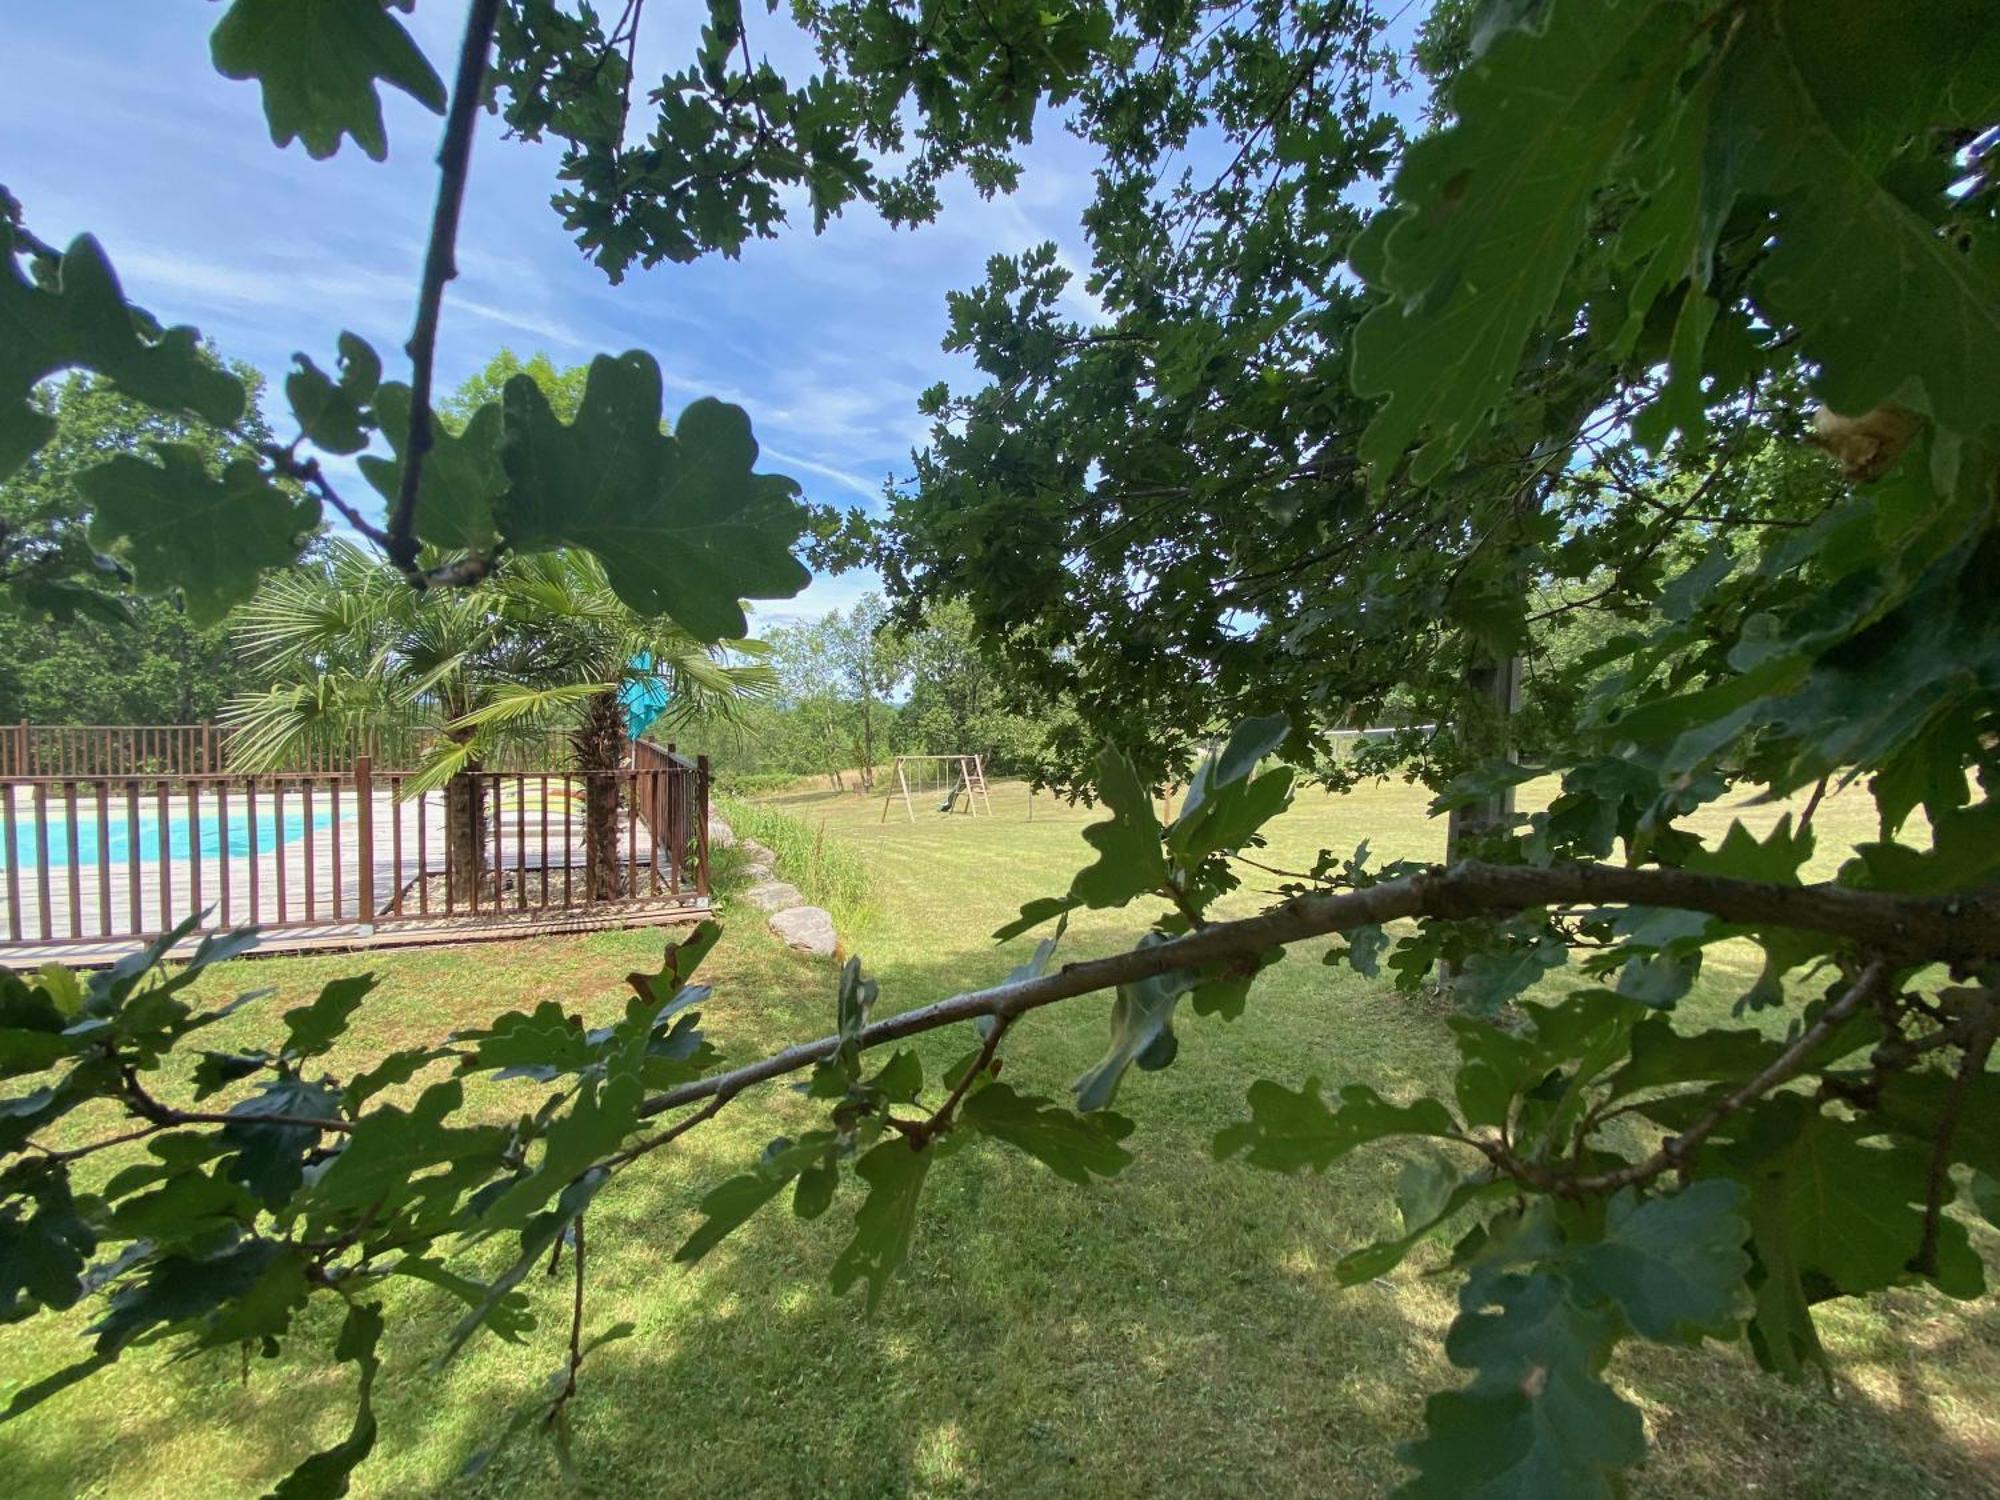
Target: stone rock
<point>808,928</point>
<point>720,834</point>
<point>774,895</point>
<point>756,853</point>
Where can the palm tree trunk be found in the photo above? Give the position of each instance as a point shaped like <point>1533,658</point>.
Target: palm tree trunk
<point>465,833</point>
<point>600,747</point>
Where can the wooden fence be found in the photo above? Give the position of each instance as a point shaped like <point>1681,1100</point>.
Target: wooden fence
<point>122,857</point>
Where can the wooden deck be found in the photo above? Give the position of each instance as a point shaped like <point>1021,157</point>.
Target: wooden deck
<point>130,866</point>
<point>354,937</point>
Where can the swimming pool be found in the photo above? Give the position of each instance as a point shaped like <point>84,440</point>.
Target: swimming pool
<point>118,845</point>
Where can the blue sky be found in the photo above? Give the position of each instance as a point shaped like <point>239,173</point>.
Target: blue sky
<point>116,123</point>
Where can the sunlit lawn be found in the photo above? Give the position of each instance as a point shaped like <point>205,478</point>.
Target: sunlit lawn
<point>1177,1331</point>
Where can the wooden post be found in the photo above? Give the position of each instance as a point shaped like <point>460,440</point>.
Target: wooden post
<point>208,746</point>
<point>21,749</point>
<point>364,835</point>
<point>701,825</point>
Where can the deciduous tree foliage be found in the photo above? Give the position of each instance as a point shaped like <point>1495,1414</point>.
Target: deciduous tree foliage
<point>1645,234</point>
<point>71,649</point>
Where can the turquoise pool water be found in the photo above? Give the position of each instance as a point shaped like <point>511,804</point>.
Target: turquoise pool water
<point>215,838</point>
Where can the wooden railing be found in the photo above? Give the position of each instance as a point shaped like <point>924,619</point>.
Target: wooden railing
<point>90,750</point>
<point>117,857</point>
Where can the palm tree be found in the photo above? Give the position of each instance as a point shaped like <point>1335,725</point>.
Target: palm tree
<point>587,645</point>
<point>544,645</point>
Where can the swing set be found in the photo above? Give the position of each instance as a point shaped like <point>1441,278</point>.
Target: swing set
<point>950,777</point>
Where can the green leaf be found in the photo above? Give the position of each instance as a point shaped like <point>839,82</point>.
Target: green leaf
<point>1225,990</point>
<point>1288,1131</point>
<point>1072,1145</point>
<point>1431,1194</point>
<point>1231,815</point>
<point>217,1070</point>
<point>1777,858</point>
<point>42,1256</point>
<point>1782,1333</point>
<point>541,1046</point>
<point>1658,979</point>
<point>1129,860</point>
<point>334,415</point>
<point>1538,1419</point>
<point>1912,304</point>
<point>463,481</point>
<point>397,1068</point>
<point>1365,946</point>
<point>1685,592</point>
<point>1492,977</point>
<point>1494,211</point>
<point>1249,743</point>
<point>247,1289</point>
<point>82,319</point>
<point>270,1159</point>
<point>382,1165</point>
<point>1220,811</point>
<point>1912,1102</point>
<point>1856,1208</point>
<point>318,62</point>
<point>324,1476</point>
<point>816,1186</point>
<point>188,1209</point>
<point>1662,1056</point>
<point>1033,914</point>
<point>538,1237</point>
<point>888,1217</point>
<point>1673,1264</point>
<point>727,1208</point>
<point>313,1029</point>
<point>599,1118</point>
<point>678,967</point>
<point>901,1078</point>
<point>683,525</point>
<point>510,1318</point>
<point>180,528</point>
<point>1142,1032</point>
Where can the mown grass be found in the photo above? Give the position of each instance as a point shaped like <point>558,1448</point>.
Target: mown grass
<point>1174,1332</point>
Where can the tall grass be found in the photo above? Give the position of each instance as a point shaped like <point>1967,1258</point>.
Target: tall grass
<point>828,870</point>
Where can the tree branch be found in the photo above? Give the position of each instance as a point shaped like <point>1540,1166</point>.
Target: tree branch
<point>1948,929</point>
<point>307,471</point>
<point>147,1107</point>
<point>440,266</point>
<point>1938,1188</point>
<point>1677,1151</point>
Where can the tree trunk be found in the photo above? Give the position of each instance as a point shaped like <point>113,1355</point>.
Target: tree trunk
<point>1498,683</point>
<point>600,748</point>
<point>867,743</point>
<point>465,834</point>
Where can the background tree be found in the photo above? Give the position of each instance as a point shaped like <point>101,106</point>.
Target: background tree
<point>962,701</point>
<point>69,653</point>
<point>872,660</point>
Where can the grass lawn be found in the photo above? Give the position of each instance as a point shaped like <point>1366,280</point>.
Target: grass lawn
<point>1176,1331</point>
